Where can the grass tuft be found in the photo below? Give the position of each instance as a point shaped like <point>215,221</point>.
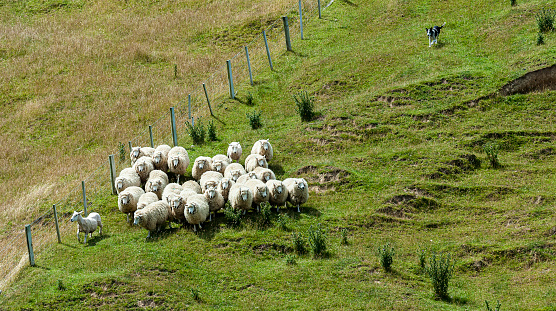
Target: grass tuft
<point>540,39</point>
<point>317,241</point>
<point>233,217</point>
<point>282,222</point>
<point>491,150</point>
<point>304,106</point>
<point>249,99</point>
<point>196,132</point>
<point>386,256</point>
<point>440,270</point>
<point>513,2</point>
<point>298,243</point>
<point>497,308</point>
<point>545,20</point>
<point>196,295</point>
<point>255,119</point>
<point>290,260</point>
<point>265,215</point>
<point>344,237</point>
<point>212,131</point>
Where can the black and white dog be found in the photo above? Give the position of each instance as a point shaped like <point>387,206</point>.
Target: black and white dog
<point>433,33</point>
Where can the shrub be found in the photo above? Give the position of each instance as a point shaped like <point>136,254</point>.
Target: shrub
<point>255,119</point>
<point>386,256</point>
<point>304,106</point>
<point>290,260</point>
<point>121,147</point>
<point>498,304</point>
<point>440,271</point>
<point>344,238</point>
<point>540,39</point>
<point>265,214</point>
<point>545,20</point>
<point>282,221</point>
<point>250,100</point>
<point>298,243</point>
<point>491,150</point>
<point>211,131</point>
<point>197,132</point>
<point>233,217</point>
<point>317,241</point>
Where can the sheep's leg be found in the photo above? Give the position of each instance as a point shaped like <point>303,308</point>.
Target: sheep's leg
<point>127,218</point>
<point>299,211</point>
<point>78,239</point>
<point>194,228</point>
<point>258,208</point>
<point>244,211</point>
<point>100,230</point>
<point>149,235</point>
<point>178,178</point>
<point>85,242</point>
<point>210,216</point>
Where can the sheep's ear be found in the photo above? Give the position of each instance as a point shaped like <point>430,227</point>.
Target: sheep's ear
<point>80,212</point>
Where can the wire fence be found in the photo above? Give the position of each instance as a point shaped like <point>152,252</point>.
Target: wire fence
<point>98,185</point>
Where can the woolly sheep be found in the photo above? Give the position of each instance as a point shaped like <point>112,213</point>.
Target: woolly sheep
<point>128,177</point>
<point>153,217</point>
<point>171,188</point>
<point>158,180</point>
<point>138,152</point>
<point>277,193</point>
<point>260,191</point>
<point>127,200</point>
<point>177,205</point>
<point>224,187</point>
<point>196,210</point>
<point>264,148</point>
<point>244,178</point>
<point>201,165</point>
<point>178,161</point>
<point>255,160</point>
<point>298,191</point>
<point>144,166</point>
<point>234,171</point>
<point>160,157</point>
<point>220,162</point>
<point>193,185</point>
<point>234,151</point>
<point>146,199</point>
<point>87,225</point>
<point>240,197</point>
<point>215,200</point>
<point>211,177</point>
<point>264,174</point>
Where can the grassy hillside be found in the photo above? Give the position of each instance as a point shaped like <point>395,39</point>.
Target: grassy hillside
<point>395,156</point>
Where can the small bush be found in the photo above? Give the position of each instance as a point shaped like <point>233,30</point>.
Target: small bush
<point>491,150</point>
<point>498,304</point>
<point>197,132</point>
<point>196,294</point>
<point>250,100</point>
<point>513,2</point>
<point>255,119</point>
<point>265,214</point>
<point>233,217</point>
<point>61,285</point>
<point>282,221</point>
<point>440,271</point>
<point>545,20</point>
<point>290,260</point>
<point>344,237</point>
<point>211,131</point>
<point>317,241</point>
<point>540,39</point>
<point>304,106</point>
<point>298,243</point>
<point>121,148</point>
<point>386,256</point>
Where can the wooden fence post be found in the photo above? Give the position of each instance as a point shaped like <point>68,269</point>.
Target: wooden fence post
<point>84,199</point>
<point>151,135</point>
<point>56,222</point>
<point>287,32</point>
<point>208,101</point>
<point>112,173</point>
<point>30,245</point>
<point>300,20</point>
<point>267,50</point>
<point>173,120</point>
<point>230,79</point>
<point>249,65</point>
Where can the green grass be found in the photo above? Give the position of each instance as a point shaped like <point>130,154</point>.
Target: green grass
<point>394,159</point>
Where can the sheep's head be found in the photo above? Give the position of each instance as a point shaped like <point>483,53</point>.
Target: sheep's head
<point>224,183</point>
<point>174,162</point>
<point>75,216</point>
<point>261,160</point>
<point>210,184</point>
<point>191,208</point>
<point>252,175</point>
<point>235,175</point>
<point>266,176</point>
<point>217,165</point>
<point>141,166</point>
<point>244,193</point>
<point>234,147</point>
<point>119,184</point>
<point>211,191</point>
<point>124,198</point>
<point>300,183</point>
<point>201,163</point>
<point>277,190</point>
<point>265,144</point>
<point>137,219</point>
<point>157,157</point>
<point>155,185</point>
<point>175,201</point>
<point>135,152</point>
<point>262,190</point>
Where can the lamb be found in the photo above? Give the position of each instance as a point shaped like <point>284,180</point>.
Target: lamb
<point>210,177</point>
<point>277,193</point>
<point>87,225</point>
<point>171,188</point>
<point>144,166</point>
<point>234,151</point>
<point>153,217</point>
<point>128,177</point>
<point>234,170</point>
<point>201,165</point>
<point>264,148</point>
<point>138,152</point>
<point>244,178</point>
<point>298,191</point>
<point>127,200</point>
<point>255,160</point>
<point>158,180</point>
<point>215,201</point>
<point>264,174</point>
<point>146,199</point>
<point>220,162</point>
<point>160,157</point>
<point>260,191</point>
<point>178,161</point>
<point>224,187</point>
<point>240,198</point>
<point>192,185</point>
<point>196,210</point>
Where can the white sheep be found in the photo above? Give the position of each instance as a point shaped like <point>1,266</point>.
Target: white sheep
<point>215,200</point>
<point>178,161</point>
<point>240,198</point>
<point>298,191</point>
<point>196,210</point>
<point>127,200</point>
<point>224,187</point>
<point>138,152</point>
<point>160,157</point>
<point>211,177</point>
<point>146,199</point>
<point>244,178</point>
<point>153,217</point>
<point>277,193</point>
<point>87,225</point>
<point>128,177</point>
<point>255,160</point>
<point>192,185</point>
<point>264,174</point>
<point>260,191</point>
<point>158,180</point>
<point>171,188</point>
<point>234,171</point>
<point>177,206</point>
<point>234,151</point>
<point>220,162</point>
<point>144,166</point>
<point>201,165</point>
<point>264,148</point>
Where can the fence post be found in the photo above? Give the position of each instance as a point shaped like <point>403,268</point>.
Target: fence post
<point>320,16</point>
<point>300,20</point>
<point>30,245</point>
<point>84,199</point>
<point>230,79</point>
<point>151,135</point>
<point>287,32</point>
<point>112,173</point>
<point>56,222</point>
<point>267,50</point>
<point>208,101</point>
<point>249,65</point>
<point>130,149</point>
<point>189,104</point>
<point>173,120</point>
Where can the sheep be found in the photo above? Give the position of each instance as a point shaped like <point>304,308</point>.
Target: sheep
<point>234,151</point>
<point>171,188</point>
<point>201,165</point>
<point>128,177</point>
<point>260,191</point>
<point>224,187</point>
<point>87,225</point>
<point>240,197</point>
<point>146,199</point>
<point>138,152</point>
<point>193,185</point>
<point>196,210</point>
<point>298,191</point>
<point>144,166</point>
<point>210,177</point>
<point>244,178</point>
<point>177,205</point>
<point>158,180</point>
<point>234,170</point>
<point>264,174</point>
<point>127,200</point>
<point>277,193</point>
<point>264,148</point>
<point>255,160</point>
<point>220,162</point>
<point>160,157</point>
<point>215,201</point>
<point>153,216</point>
<point>178,161</point>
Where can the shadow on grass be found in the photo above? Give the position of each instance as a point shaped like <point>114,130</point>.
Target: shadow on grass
<point>96,239</point>
<point>277,169</point>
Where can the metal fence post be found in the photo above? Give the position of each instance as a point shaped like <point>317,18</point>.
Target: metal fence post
<point>300,20</point>
<point>84,199</point>
<point>130,149</point>
<point>249,65</point>
<point>320,16</point>
<point>112,173</point>
<point>151,135</point>
<point>287,32</point>
<point>267,50</point>
<point>56,222</point>
<point>30,245</point>
<point>230,79</point>
<point>208,101</point>
<point>189,104</point>
<point>173,120</point>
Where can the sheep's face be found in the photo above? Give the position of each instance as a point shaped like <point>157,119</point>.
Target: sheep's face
<point>224,183</point>
<point>135,152</point>
<point>262,190</point>
<point>217,166</point>
<point>234,147</point>
<point>244,193</point>
<point>261,162</point>
<point>124,199</point>
<point>157,157</point>
<point>191,208</point>
<point>75,216</point>
<point>278,189</point>
<point>155,185</point>
<point>211,192</point>
<point>210,184</point>
<point>201,164</point>
<point>252,175</point>
<point>175,201</point>
<point>138,219</point>
<point>266,176</point>
<point>140,167</point>
<point>265,144</point>
<point>175,162</point>
<point>119,184</point>
<point>300,184</point>
<point>235,175</point>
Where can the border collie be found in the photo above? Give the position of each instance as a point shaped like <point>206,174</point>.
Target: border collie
<point>433,33</point>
